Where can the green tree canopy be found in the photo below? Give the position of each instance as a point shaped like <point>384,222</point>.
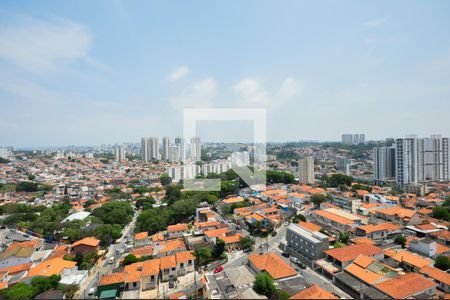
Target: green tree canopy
<point>441,212</point>
<point>264,285</point>
<point>203,255</point>
<point>442,262</point>
<point>130,259</point>
<point>400,240</point>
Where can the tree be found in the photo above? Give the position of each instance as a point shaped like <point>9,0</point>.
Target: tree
<point>31,177</point>
<point>42,284</point>
<point>203,255</point>
<point>20,291</point>
<point>344,237</point>
<point>165,179</point>
<point>400,240</point>
<point>441,212</point>
<point>219,248</point>
<point>317,199</point>
<point>27,186</point>
<point>263,284</point>
<point>442,262</point>
<point>246,242</point>
<point>280,295</point>
<point>130,259</point>
<point>299,218</point>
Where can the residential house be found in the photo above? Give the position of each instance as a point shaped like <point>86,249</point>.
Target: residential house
<point>337,219</point>
<point>19,253</point>
<point>177,230</point>
<point>344,256</point>
<point>185,262</point>
<point>144,275</point>
<point>86,245</point>
<point>49,267</point>
<point>378,231</point>
<point>141,239</point>
<point>407,260</point>
<point>212,235</point>
<point>314,292</point>
<point>408,286</point>
<point>271,263</point>
<point>168,266</point>
<point>398,215</point>
<point>442,278</point>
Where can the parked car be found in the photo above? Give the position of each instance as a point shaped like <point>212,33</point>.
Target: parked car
<point>301,265</point>
<point>285,254</point>
<point>218,269</point>
<point>91,291</point>
<point>274,233</point>
<point>111,260</point>
<point>294,260</point>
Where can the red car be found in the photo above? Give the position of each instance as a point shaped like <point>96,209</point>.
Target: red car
<point>218,269</point>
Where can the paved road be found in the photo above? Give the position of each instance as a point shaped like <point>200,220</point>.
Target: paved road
<point>105,266</point>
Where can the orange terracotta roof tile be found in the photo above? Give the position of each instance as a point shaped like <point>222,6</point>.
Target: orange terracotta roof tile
<point>363,274</point>
<point>178,295</point>
<point>184,256</point>
<point>274,265</point>
<point>349,253</point>
<point>309,226</point>
<point>231,239</point>
<point>436,274</point>
<point>411,258</point>
<point>333,217</point>
<point>314,292</point>
<point>141,235</point>
<point>167,262</point>
<point>143,251</point>
<point>88,241</point>
<point>405,286</point>
<point>440,249</point>
<point>216,232</point>
<point>233,200</point>
<point>50,267</point>
<point>173,245</point>
<point>177,227</point>
<point>370,228</point>
<point>16,269</point>
<point>363,240</point>
<point>112,278</point>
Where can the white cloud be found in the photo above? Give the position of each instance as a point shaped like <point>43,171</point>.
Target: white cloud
<point>179,73</point>
<point>42,45</point>
<point>376,22</point>
<point>199,94</point>
<point>252,93</point>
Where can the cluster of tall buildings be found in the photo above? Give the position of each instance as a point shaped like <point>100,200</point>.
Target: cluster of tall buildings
<point>119,153</point>
<point>413,160</point>
<point>190,170</point>
<point>168,151</point>
<point>353,139</point>
<point>4,152</point>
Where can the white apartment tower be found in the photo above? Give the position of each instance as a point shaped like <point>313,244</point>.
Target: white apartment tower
<point>165,148</point>
<point>196,148</point>
<point>384,162</point>
<point>119,153</point>
<point>180,143</point>
<point>306,170</point>
<point>421,160</point>
<point>353,139</point>
<point>150,148</point>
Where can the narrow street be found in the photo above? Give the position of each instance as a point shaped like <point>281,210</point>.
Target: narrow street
<point>104,267</point>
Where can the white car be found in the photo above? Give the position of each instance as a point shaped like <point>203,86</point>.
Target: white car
<point>91,291</point>
<point>294,260</point>
<point>111,260</point>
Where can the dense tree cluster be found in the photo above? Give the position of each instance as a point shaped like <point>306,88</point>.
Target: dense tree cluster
<point>38,285</point>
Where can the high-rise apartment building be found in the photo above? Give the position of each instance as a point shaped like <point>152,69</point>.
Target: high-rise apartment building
<point>306,170</point>
<point>384,163</point>
<point>421,160</point>
<point>119,153</point>
<point>174,153</point>
<point>182,152</point>
<point>196,148</point>
<point>165,148</point>
<point>4,153</point>
<point>240,159</point>
<point>353,139</point>
<point>150,148</point>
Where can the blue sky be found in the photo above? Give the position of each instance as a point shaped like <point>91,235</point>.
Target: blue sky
<point>93,72</point>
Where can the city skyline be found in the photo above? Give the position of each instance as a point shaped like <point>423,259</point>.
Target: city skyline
<point>69,77</point>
